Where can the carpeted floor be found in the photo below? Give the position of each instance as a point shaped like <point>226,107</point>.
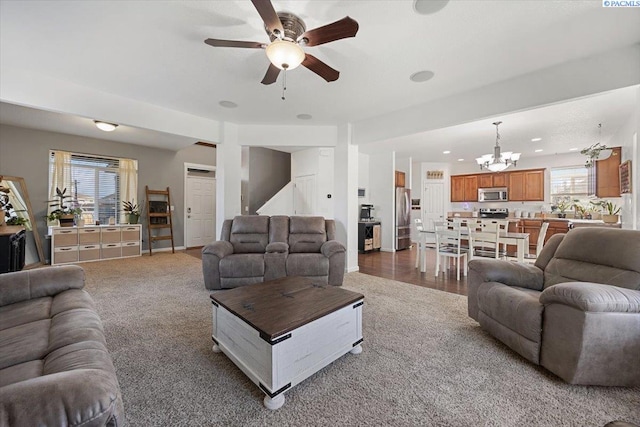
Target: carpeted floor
<point>424,362</point>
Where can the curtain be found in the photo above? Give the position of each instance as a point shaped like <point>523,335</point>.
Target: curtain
<point>128,171</point>
<point>60,175</point>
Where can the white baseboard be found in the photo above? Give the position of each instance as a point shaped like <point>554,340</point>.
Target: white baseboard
<point>387,250</point>
<point>352,269</point>
<point>177,248</point>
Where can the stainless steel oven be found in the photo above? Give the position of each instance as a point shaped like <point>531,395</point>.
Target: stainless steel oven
<point>498,194</point>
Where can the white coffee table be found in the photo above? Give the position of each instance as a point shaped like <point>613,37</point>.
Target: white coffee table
<point>283,331</point>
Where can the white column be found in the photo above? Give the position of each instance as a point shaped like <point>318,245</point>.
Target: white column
<point>229,176</point>
<point>346,195</point>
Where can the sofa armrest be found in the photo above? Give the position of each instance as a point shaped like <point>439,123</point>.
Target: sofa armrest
<point>508,273</point>
<point>278,247</point>
<point>594,297</point>
<point>220,248</point>
<point>43,282</point>
<point>331,247</point>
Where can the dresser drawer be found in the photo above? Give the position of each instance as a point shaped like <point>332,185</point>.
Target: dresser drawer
<point>65,254</point>
<point>110,235</point>
<point>89,252</point>
<point>88,235</point>
<point>62,237</point>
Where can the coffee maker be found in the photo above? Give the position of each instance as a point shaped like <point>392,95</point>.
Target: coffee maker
<point>365,213</point>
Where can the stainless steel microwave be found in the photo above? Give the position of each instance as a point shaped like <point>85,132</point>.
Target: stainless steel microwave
<point>498,194</point>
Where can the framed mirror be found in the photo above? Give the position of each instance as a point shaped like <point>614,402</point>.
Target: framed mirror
<point>14,200</point>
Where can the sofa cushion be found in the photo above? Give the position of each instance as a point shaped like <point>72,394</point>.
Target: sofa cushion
<point>24,343</point>
<point>593,255</point>
<point>306,234</point>
<point>307,265</point>
<point>24,312</point>
<point>242,265</point>
<point>21,372</point>
<point>250,234</point>
<point>518,309</point>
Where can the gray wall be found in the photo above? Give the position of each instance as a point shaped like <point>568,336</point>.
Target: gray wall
<point>269,171</point>
<point>25,153</point>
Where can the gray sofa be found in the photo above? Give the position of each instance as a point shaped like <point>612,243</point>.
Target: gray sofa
<point>54,365</point>
<point>576,311</point>
<point>256,248</point>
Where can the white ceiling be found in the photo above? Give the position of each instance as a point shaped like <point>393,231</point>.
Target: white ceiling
<point>154,52</point>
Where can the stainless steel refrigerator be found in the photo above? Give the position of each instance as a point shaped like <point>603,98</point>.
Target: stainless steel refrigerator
<point>403,218</point>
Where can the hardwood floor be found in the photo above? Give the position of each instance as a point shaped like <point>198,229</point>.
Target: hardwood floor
<point>400,266</point>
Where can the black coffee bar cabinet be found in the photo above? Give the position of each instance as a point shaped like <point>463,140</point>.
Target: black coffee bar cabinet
<point>12,248</point>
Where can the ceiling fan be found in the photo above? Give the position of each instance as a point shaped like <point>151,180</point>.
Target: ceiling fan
<point>288,34</point>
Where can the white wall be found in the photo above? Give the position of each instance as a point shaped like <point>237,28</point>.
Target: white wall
<point>382,195</point>
<point>346,197</point>
<point>363,178</point>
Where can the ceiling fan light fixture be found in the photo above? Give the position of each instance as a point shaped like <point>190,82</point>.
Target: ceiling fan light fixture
<point>285,55</point>
<point>104,126</point>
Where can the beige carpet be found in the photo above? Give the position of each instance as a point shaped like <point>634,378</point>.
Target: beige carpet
<point>424,362</point>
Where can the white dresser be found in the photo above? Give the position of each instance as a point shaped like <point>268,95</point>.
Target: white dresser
<point>94,243</point>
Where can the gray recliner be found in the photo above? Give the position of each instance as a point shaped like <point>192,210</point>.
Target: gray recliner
<point>255,248</point>
<point>576,311</point>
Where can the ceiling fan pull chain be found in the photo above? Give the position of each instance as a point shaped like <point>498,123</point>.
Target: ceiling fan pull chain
<point>284,82</point>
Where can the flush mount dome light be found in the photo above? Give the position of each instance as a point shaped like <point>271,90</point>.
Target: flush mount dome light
<point>284,54</point>
<point>304,116</point>
<point>421,76</point>
<point>227,104</point>
<point>107,127</point>
<point>427,7</point>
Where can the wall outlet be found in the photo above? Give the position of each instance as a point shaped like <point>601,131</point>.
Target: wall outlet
<point>173,208</point>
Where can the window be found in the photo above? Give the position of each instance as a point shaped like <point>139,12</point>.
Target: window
<point>97,185</point>
<point>569,183</point>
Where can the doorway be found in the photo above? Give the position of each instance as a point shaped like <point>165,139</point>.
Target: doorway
<point>432,208</point>
<point>200,206</point>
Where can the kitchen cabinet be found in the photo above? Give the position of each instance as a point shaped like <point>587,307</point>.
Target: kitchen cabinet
<point>532,226</point>
<point>369,236</point>
<point>464,188</point>
<point>489,180</point>
<point>527,185</point>
<point>608,175</point>
<point>400,179</point>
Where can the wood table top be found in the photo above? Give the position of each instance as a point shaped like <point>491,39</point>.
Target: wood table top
<point>282,305</point>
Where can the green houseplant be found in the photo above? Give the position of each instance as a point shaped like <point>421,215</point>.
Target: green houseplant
<point>63,213</point>
<point>562,207</point>
<point>132,211</point>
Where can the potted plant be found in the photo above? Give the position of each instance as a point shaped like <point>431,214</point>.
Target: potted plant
<point>610,211</point>
<point>63,214</point>
<point>132,211</point>
<point>581,211</point>
<point>562,207</point>
<point>594,152</point>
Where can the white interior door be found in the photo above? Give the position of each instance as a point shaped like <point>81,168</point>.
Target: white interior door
<point>304,195</point>
<point>200,211</point>
<point>432,204</point>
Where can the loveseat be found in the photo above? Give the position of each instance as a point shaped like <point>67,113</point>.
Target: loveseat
<point>257,248</point>
<point>55,369</point>
<point>576,311</point>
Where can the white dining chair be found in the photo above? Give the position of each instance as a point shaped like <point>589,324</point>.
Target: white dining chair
<point>448,246</point>
<point>485,242</point>
<point>539,243</point>
<point>421,254</point>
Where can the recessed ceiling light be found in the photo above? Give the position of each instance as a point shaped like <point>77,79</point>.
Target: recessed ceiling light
<point>228,104</point>
<point>304,116</point>
<point>446,152</point>
<point>573,149</point>
<point>421,76</point>
<point>461,160</point>
<point>427,7</point>
<point>107,127</point>
<point>539,150</point>
<point>536,139</point>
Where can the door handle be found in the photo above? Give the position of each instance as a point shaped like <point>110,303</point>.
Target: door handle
<point>188,210</point>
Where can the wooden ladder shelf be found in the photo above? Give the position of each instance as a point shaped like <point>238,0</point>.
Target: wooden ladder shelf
<point>159,216</point>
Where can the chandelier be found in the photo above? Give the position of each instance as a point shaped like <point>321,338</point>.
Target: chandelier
<point>497,161</point>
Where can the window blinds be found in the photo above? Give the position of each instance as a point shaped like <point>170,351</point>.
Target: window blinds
<point>569,183</point>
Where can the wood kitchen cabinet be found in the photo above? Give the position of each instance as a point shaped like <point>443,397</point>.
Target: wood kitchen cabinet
<point>400,179</point>
<point>457,188</point>
<point>608,175</point>
<point>464,188</point>
<point>527,185</point>
<point>488,180</point>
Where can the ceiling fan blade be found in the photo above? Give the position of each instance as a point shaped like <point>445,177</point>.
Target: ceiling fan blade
<point>269,16</point>
<point>271,76</point>
<point>320,68</point>
<point>346,27</point>
<point>234,43</point>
